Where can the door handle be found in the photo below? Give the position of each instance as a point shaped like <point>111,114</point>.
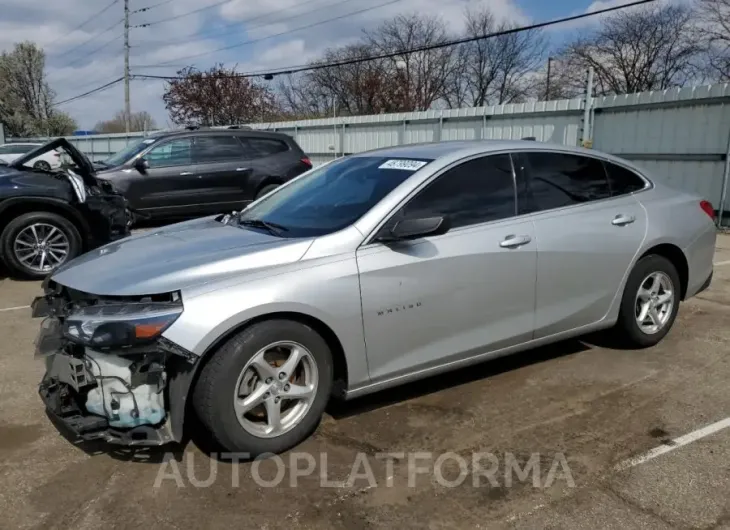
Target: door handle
<point>186,173</point>
<point>512,241</point>
<point>243,169</point>
<point>622,220</point>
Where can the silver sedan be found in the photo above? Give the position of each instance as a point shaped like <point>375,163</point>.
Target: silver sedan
<point>368,272</point>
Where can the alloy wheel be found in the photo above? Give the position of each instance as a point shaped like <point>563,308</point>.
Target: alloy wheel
<point>41,247</point>
<point>654,302</point>
<point>276,388</point>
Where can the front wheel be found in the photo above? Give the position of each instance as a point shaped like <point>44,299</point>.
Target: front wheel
<point>650,302</point>
<point>35,244</point>
<point>266,388</point>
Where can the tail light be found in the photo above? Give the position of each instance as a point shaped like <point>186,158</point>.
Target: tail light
<point>305,160</point>
<point>708,209</point>
<point>57,155</point>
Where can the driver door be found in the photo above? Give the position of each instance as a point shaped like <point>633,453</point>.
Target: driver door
<point>445,298</point>
<point>169,185</point>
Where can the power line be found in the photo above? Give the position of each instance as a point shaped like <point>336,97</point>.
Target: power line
<point>143,9</point>
<point>96,36</point>
<point>305,68</point>
<point>217,33</point>
<point>92,17</point>
<point>90,92</point>
<point>92,52</point>
<point>240,44</point>
<point>181,15</point>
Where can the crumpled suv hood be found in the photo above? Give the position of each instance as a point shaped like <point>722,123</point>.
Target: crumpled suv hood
<point>175,257</point>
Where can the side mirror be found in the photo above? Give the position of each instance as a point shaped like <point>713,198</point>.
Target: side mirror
<point>415,228</point>
<point>141,165</point>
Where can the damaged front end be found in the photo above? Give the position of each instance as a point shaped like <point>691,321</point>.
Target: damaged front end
<point>110,374</point>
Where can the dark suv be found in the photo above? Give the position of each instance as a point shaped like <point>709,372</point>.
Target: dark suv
<point>196,172</point>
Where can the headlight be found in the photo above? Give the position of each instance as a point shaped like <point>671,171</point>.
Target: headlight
<point>120,325</point>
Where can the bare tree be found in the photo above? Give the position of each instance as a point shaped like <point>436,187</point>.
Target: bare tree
<point>26,99</point>
<point>496,70</point>
<point>138,121</point>
<point>714,32</point>
<point>419,77</point>
<point>649,48</point>
<point>218,96</point>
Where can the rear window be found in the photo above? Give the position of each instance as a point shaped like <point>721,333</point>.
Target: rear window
<point>334,196</point>
<point>622,180</point>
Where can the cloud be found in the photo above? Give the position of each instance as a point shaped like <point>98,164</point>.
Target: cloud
<point>73,69</point>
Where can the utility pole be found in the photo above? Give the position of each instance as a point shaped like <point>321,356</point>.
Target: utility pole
<point>547,83</point>
<point>127,110</point>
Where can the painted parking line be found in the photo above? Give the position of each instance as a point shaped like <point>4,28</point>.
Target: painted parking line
<point>676,443</point>
<point>719,263</point>
<point>15,308</point>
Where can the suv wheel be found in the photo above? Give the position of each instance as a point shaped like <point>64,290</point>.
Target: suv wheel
<point>265,389</point>
<point>650,302</point>
<point>42,165</point>
<point>266,190</point>
<point>35,244</point>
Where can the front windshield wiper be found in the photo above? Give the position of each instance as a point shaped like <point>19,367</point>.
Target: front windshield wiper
<point>274,228</point>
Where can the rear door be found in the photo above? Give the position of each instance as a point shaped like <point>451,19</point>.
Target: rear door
<point>586,237</point>
<point>224,167</point>
<point>445,298</point>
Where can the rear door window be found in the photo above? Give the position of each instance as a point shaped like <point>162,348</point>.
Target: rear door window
<point>553,180</point>
<point>623,181</point>
<point>208,149</point>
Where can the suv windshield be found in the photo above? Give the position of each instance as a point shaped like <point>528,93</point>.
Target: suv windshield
<point>128,152</point>
<point>332,197</point>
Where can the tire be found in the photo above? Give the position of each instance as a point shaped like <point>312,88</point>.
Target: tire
<point>628,326</point>
<point>213,395</point>
<point>266,190</point>
<point>44,223</point>
<point>42,165</point>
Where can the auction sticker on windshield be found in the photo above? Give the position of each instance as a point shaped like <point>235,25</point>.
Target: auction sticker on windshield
<point>406,165</point>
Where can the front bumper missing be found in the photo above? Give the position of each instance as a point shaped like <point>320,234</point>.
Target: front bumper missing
<point>62,407</point>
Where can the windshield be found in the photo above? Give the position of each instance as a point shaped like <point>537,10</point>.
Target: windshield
<point>332,197</point>
<point>128,152</point>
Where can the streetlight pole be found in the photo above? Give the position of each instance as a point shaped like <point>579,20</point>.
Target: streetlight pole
<point>547,82</point>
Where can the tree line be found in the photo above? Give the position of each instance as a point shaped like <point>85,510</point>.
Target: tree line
<point>652,47</point>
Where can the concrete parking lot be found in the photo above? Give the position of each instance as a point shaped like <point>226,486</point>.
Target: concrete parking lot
<point>622,439</point>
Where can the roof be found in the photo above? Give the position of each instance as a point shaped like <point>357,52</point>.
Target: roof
<point>225,130</point>
<point>434,150</point>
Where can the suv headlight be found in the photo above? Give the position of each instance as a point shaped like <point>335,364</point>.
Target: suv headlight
<point>120,325</point>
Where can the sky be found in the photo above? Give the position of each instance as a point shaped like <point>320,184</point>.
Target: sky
<point>254,35</point>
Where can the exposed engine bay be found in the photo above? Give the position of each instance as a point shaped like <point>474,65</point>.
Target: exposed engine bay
<point>121,390</point>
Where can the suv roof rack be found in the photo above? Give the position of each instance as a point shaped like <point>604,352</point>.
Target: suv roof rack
<point>239,127</point>
<point>529,138</point>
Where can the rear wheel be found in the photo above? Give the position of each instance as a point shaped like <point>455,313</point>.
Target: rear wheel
<point>266,190</point>
<point>265,389</point>
<point>35,244</point>
<point>42,165</point>
<point>650,302</point>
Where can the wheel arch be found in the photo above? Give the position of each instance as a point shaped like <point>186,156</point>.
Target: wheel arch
<point>12,208</point>
<point>675,255</point>
<point>186,384</point>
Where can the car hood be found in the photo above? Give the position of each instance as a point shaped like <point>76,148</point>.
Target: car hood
<point>176,257</point>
